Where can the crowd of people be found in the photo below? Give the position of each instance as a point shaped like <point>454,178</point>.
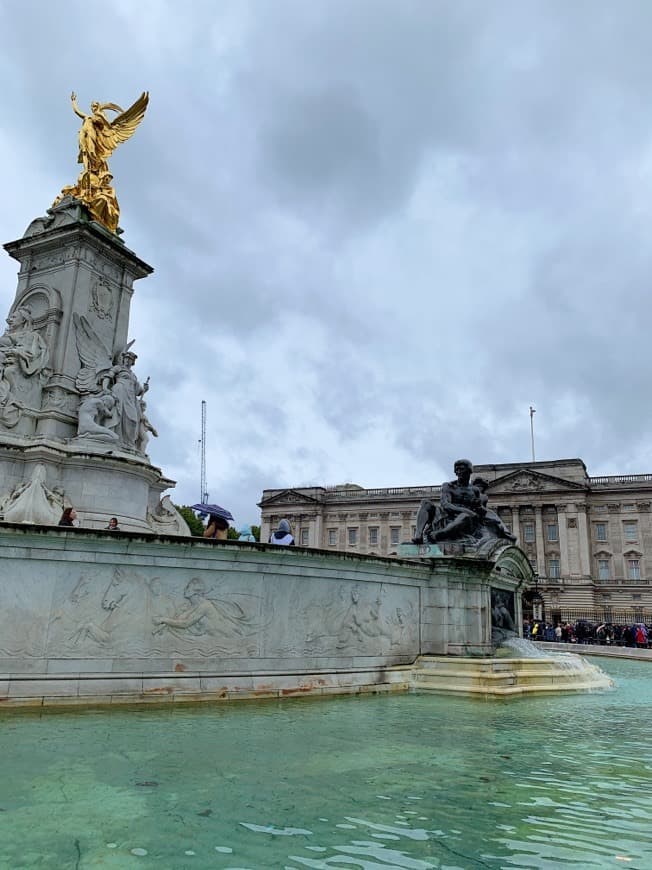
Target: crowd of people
<point>635,634</point>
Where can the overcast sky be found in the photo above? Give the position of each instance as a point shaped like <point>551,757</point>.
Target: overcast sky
<point>380,230</point>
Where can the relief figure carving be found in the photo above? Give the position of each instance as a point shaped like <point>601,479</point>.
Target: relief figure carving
<point>223,621</point>
<point>350,624</point>
<point>118,620</point>
<point>24,357</point>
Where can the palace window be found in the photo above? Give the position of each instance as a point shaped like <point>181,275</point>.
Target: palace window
<point>332,537</point>
<point>634,569</point>
<point>553,568</point>
<point>353,537</point>
<point>305,534</point>
<point>528,533</point>
<point>631,532</point>
<point>553,532</point>
<point>603,569</point>
<point>373,536</point>
<point>533,565</point>
<point>394,534</point>
<point>601,531</point>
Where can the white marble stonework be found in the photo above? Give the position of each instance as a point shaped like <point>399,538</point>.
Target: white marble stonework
<point>88,603</point>
<point>72,403</point>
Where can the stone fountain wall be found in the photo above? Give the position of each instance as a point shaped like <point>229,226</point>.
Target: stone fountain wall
<point>93,614</point>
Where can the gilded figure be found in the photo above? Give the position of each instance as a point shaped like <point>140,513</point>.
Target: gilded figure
<point>98,139</point>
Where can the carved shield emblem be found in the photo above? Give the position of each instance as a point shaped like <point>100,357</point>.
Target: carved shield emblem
<point>101,299</point>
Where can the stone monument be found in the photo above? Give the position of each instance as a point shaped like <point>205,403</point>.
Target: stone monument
<point>73,427</point>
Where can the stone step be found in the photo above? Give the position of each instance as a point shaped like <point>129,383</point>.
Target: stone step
<point>502,677</point>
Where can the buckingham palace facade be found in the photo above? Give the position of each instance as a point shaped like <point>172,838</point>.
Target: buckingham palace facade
<point>589,539</point>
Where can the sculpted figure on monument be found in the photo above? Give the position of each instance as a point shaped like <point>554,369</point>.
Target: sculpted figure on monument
<point>166,519</point>
<point>10,409</point>
<point>33,502</point>
<point>24,357</point>
<point>115,378</point>
<point>97,415</point>
<point>126,391</point>
<point>461,515</point>
<point>491,518</point>
<point>98,139</point>
<point>144,428</point>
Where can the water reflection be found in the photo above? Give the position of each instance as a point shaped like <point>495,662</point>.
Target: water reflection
<point>405,781</point>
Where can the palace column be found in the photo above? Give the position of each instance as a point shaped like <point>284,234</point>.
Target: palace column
<point>562,525</point>
<point>538,528</point>
<point>583,535</point>
<point>516,528</point>
<point>319,522</point>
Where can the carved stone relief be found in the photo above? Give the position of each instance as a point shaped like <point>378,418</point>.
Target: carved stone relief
<point>359,619</point>
<point>33,502</point>
<point>24,358</point>
<point>58,399</point>
<point>101,301</point>
<point>140,616</point>
<point>166,520</point>
<point>527,483</point>
<point>53,259</point>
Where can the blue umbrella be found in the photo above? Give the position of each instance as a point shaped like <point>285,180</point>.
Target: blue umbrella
<point>214,510</point>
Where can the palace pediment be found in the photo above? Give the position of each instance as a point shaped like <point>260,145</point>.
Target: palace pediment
<point>289,497</point>
<point>531,481</point>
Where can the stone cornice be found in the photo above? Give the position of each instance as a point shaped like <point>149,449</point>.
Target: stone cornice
<point>88,234</point>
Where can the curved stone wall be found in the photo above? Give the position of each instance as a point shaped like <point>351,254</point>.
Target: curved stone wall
<point>100,607</point>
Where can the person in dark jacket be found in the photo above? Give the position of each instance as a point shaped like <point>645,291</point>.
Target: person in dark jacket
<point>217,528</point>
<point>68,517</point>
<point>282,536</point>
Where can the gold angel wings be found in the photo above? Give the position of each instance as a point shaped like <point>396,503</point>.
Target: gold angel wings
<point>98,139</point>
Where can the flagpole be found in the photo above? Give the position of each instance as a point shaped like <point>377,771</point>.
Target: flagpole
<point>532,413</point>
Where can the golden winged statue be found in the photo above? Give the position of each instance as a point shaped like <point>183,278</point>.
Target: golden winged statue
<point>98,139</point>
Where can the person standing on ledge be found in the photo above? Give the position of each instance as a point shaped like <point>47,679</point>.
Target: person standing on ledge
<point>68,517</point>
<point>282,536</point>
<point>217,528</point>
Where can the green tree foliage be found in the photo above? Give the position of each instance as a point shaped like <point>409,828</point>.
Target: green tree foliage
<point>232,534</point>
<point>255,531</point>
<point>194,523</point>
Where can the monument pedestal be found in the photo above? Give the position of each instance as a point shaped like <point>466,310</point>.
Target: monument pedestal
<point>479,605</point>
<point>67,347</point>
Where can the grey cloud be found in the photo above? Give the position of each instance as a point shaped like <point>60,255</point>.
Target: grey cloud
<point>424,217</point>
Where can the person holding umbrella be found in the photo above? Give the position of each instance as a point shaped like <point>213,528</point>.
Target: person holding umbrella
<point>218,520</point>
<point>217,528</point>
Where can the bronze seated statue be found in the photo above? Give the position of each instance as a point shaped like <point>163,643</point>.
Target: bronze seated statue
<point>462,515</point>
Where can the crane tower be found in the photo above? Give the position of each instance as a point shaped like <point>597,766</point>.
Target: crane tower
<point>204,494</point>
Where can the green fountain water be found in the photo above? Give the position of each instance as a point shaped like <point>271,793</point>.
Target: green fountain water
<point>409,781</point>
